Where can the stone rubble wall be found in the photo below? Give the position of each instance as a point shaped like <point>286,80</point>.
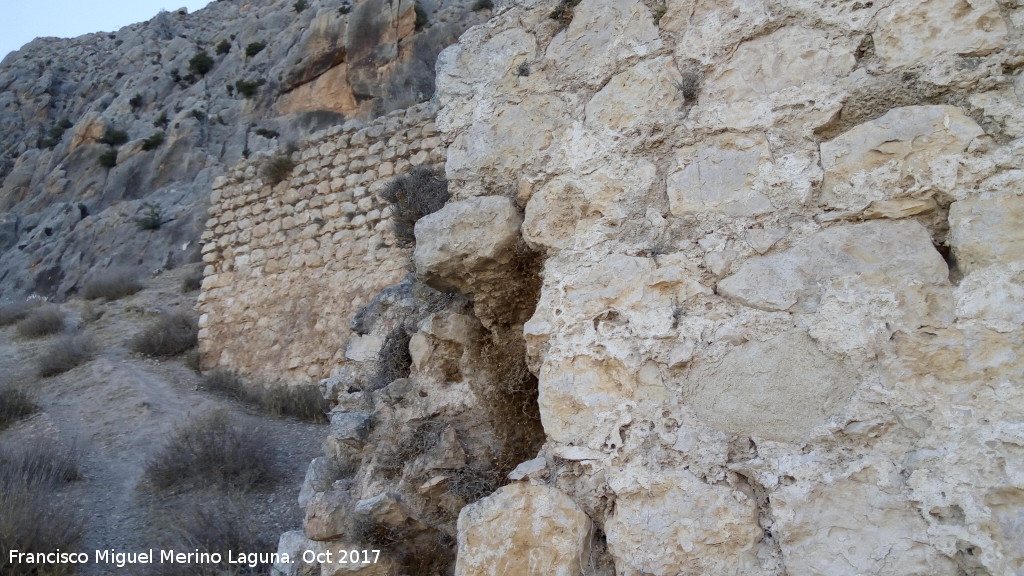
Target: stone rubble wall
<point>780,328</point>
<point>288,265</point>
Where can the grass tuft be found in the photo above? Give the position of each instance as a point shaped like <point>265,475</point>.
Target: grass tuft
<point>16,311</point>
<point>304,402</point>
<point>32,516</point>
<point>15,404</point>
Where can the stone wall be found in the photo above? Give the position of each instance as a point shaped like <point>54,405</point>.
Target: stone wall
<point>780,325</point>
<point>287,265</point>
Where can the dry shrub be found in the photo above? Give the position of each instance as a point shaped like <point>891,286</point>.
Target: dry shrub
<point>112,284</point>
<point>278,168</point>
<point>43,321</point>
<point>172,334</point>
<point>225,382</point>
<point>412,196</point>
<point>418,552</point>
<point>193,280</point>
<point>214,526</point>
<point>409,440</point>
<point>15,404</point>
<point>67,352</point>
<point>564,12</point>
<point>304,402</point>
<point>393,360</point>
<point>32,517</point>
<point>211,450</point>
<point>193,360</point>
<point>473,483</point>
<point>16,311</point>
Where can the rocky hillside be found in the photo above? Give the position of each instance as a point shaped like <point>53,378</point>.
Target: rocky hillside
<point>101,130</point>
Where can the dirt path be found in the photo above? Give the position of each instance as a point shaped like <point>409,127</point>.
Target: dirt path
<point>120,408</point>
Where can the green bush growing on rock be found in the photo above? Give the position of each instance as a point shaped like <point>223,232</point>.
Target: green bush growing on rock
<point>483,5</point>
<point>54,134</point>
<point>200,64</point>
<point>301,5</point>
<point>109,158</point>
<point>254,48</point>
<point>153,142</point>
<point>412,196</point>
<point>224,47</point>
<point>248,88</point>
<point>114,137</point>
<point>151,219</point>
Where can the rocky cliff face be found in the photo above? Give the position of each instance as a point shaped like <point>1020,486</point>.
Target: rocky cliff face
<point>779,330</point>
<point>95,129</point>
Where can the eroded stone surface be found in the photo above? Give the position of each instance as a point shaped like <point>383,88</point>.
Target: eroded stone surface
<point>986,230</point>
<point>523,529</point>
<point>784,389</point>
<point>912,31</point>
<point>680,525</point>
<point>862,253</point>
<point>875,160</point>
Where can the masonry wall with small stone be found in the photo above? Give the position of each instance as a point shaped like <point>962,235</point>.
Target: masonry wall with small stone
<point>287,265</point>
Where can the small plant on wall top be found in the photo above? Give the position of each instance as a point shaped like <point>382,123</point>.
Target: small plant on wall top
<point>278,167</point>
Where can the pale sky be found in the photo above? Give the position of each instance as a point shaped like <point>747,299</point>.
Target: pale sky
<point>23,20</point>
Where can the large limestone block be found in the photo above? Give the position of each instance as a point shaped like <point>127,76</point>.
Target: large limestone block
<point>466,245</point>
<point>872,161</point>
<point>783,59</point>
<point>641,95</point>
<point>792,70</point>
<point>464,68</point>
<point>523,530</point>
<point>896,256</point>
<point>603,35</point>
<point>784,389</point>
<point>572,208</point>
<point>706,29</point>
<point>584,401</point>
<point>987,230</point>
<point>500,141</point>
<point>915,31</point>
<point>858,525</point>
<point>718,176</point>
<point>994,295</point>
<point>679,524</point>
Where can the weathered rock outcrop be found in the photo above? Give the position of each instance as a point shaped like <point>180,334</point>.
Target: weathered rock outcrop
<point>106,124</point>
